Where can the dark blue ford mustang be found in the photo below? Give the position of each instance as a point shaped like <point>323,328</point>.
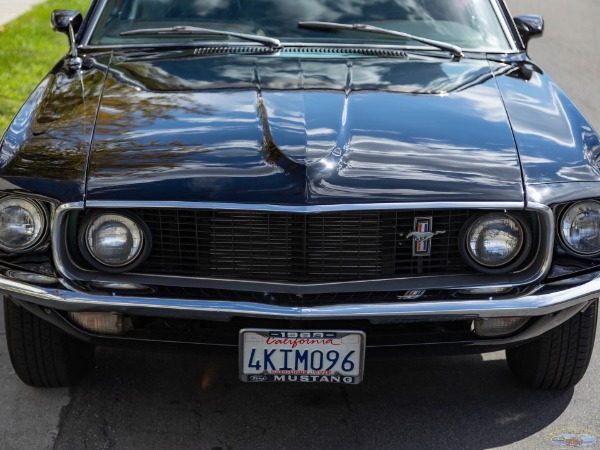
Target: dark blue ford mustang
<point>305,181</point>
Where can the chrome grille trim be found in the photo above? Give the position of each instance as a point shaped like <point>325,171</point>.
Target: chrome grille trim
<point>305,209</point>
<point>542,261</point>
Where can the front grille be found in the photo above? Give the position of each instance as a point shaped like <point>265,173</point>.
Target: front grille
<point>294,247</point>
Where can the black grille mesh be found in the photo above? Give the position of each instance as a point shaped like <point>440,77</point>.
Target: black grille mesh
<point>276,246</point>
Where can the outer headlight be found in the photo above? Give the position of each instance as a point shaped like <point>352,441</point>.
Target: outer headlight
<point>22,224</point>
<point>580,228</point>
<point>494,240</point>
<point>114,240</point>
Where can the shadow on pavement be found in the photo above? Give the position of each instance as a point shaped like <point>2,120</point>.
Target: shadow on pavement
<point>157,401</point>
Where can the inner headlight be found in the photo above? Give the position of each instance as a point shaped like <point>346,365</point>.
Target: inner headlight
<point>494,240</point>
<point>580,228</point>
<point>22,224</point>
<point>113,240</point>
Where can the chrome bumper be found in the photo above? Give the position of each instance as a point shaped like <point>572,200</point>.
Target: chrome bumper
<point>546,300</point>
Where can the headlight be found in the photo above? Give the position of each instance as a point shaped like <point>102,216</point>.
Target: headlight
<point>22,224</point>
<point>580,228</point>
<point>116,241</point>
<point>494,240</point>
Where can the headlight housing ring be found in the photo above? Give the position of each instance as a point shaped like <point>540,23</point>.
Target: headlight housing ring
<point>23,224</point>
<point>114,241</point>
<point>495,242</point>
<point>579,228</point>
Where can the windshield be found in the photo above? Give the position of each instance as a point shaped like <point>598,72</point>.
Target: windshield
<point>470,24</point>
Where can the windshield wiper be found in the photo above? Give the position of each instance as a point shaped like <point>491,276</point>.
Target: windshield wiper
<point>184,29</point>
<point>454,49</point>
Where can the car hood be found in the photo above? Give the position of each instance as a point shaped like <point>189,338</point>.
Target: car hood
<point>302,130</point>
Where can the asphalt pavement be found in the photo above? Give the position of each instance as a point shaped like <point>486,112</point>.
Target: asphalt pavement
<point>137,400</point>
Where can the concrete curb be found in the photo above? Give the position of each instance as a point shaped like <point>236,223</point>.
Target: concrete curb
<point>11,9</point>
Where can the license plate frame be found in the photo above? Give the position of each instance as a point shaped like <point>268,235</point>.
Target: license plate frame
<point>290,342</point>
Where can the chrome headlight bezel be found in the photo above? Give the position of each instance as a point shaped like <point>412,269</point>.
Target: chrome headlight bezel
<point>563,240</point>
<point>41,237</point>
<point>510,265</point>
<point>92,257</point>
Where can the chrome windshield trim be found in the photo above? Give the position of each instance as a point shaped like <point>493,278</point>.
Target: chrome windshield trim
<point>93,23</point>
<point>536,304</point>
<point>505,28</point>
<point>305,209</point>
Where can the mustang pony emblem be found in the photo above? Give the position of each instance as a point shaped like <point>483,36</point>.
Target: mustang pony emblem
<point>422,236</point>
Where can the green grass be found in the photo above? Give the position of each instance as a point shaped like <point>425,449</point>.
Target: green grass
<point>28,50</point>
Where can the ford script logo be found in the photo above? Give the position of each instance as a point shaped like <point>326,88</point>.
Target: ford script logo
<point>257,378</point>
<point>422,236</point>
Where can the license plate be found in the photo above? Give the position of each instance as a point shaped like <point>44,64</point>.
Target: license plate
<point>302,356</point>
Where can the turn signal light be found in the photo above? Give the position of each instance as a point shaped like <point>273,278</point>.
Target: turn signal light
<point>498,326</point>
<point>102,322</point>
